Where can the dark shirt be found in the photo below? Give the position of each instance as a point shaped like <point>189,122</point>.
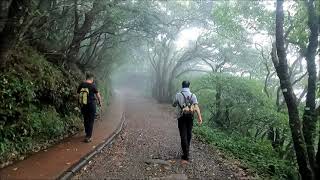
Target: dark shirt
<point>92,91</point>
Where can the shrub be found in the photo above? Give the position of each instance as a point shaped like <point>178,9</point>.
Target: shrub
<point>37,105</point>
<point>257,155</point>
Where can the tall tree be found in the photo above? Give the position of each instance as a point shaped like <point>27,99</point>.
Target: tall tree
<point>281,66</point>
<point>80,32</point>
<point>309,116</point>
<point>17,14</point>
<point>4,6</point>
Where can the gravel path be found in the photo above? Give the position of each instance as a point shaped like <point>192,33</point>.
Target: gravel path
<point>149,148</point>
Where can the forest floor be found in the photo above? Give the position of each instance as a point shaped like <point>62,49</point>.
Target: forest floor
<point>149,148</point>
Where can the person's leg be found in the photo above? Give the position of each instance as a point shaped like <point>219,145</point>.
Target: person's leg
<point>189,125</point>
<point>183,136</point>
<point>91,117</point>
<point>85,120</point>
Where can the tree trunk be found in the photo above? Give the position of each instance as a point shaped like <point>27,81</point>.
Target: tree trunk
<point>274,137</point>
<point>4,8</point>
<point>318,161</point>
<point>80,33</point>
<point>218,115</point>
<point>171,87</point>
<point>281,67</point>
<point>17,14</point>
<point>279,102</point>
<point>227,118</point>
<point>309,116</point>
<point>265,88</point>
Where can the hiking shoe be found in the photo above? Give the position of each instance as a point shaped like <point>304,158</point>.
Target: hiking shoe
<point>87,140</point>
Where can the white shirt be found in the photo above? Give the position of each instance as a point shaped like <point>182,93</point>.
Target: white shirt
<point>179,99</point>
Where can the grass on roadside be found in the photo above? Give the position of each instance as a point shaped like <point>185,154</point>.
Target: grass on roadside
<point>256,155</point>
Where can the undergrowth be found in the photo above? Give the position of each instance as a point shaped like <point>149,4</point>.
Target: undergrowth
<point>37,105</point>
<point>257,155</point>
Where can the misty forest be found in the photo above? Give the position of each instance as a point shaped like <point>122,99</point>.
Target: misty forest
<point>253,65</point>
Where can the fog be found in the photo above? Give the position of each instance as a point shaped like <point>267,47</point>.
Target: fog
<point>186,39</point>
<point>254,67</point>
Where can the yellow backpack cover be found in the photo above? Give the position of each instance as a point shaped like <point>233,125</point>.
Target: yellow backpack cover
<point>83,96</point>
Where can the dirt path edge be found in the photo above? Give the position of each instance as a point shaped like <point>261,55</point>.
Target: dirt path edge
<point>85,159</point>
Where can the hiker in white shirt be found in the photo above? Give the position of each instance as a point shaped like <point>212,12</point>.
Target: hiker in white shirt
<point>186,104</point>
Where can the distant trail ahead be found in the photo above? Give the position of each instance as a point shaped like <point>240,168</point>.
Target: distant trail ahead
<point>149,147</point>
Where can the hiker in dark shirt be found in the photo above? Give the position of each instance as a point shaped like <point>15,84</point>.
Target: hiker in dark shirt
<point>88,95</point>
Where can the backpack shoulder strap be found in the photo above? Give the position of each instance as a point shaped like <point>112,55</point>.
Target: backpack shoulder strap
<point>185,99</point>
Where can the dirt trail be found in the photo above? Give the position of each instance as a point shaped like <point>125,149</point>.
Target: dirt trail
<point>149,147</point>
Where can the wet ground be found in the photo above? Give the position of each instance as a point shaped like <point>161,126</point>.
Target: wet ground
<point>149,148</point>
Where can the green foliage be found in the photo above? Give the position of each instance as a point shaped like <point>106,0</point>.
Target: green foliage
<point>298,24</point>
<point>234,18</point>
<point>257,155</point>
<point>45,123</point>
<point>38,130</point>
<point>224,14</point>
<point>104,87</point>
<point>37,105</point>
<point>244,129</point>
<point>249,108</point>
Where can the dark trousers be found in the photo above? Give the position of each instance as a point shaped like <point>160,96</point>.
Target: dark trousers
<point>89,113</point>
<point>185,125</point>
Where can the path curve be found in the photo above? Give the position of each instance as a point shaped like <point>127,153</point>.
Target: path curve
<point>149,147</point>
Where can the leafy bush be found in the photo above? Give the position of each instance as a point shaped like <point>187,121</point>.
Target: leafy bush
<point>257,155</point>
<point>244,122</point>
<point>40,129</point>
<point>37,105</point>
<point>243,106</point>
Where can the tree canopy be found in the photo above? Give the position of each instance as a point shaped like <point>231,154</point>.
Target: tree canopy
<point>255,64</point>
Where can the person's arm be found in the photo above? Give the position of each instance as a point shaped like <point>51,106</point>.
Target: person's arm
<point>78,93</point>
<point>79,88</point>
<point>98,96</point>
<point>197,109</point>
<point>175,101</point>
